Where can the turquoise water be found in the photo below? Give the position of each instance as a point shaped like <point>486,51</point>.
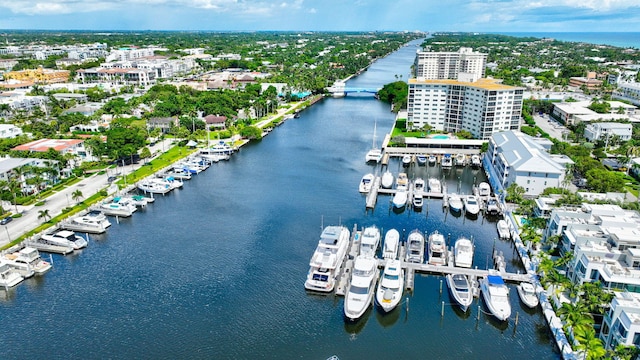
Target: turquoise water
<point>620,39</point>
<point>441,137</point>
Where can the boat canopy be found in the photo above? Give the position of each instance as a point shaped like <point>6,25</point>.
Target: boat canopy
<point>495,280</point>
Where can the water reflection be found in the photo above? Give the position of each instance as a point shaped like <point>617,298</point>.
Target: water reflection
<point>355,327</point>
<point>388,319</point>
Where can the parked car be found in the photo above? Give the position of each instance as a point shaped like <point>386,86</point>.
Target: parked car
<point>6,220</point>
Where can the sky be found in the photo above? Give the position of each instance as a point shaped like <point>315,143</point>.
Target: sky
<point>324,15</point>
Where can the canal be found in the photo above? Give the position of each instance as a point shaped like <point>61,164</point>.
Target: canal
<point>216,270</point>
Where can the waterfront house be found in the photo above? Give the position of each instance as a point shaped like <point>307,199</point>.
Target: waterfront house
<point>621,324</point>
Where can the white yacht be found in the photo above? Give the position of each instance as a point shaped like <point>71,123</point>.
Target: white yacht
<point>527,293</point>
<point>93,222</point>
<point>475,160</point>
<point>375,154</point>
<point>65,238</point>
<point>461,160</point>
<point>484,189</point>
<point>406,160</point>
<point>369,241</point>
<point>463,252</point>
<point>391,242</point>
<point>9,277</point>
<point>361,287</point>
<point>496,295</point>
<point>432,159</point>
<point>447,161</point>
<point>422,160</point>
<point>390,286</point>
<point>435,186</point>
<point>492,207</point>
<point>417,201</point>
<point>455,202</point>
<point>471,205</point>
<point>387,180</point>
<point>30,257</point>
<point>503,229</point>
<point>327,259</point>
<point>117,209</point>
<point>460,289</point>
<point>153,187</point>
<point>418,185</point>
<point>438,253</point>
<point>415,247</point>
<point>400,199</point>
<point>23,268</point>
<point>402,182</point>
<point>366,183</point>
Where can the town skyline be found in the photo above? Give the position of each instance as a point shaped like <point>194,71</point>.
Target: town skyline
<point>330,15</point>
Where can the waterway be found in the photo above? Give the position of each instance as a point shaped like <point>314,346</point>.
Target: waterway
<point>216,270</point>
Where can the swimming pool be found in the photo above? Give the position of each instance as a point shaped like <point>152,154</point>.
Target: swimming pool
<point>441,137</point>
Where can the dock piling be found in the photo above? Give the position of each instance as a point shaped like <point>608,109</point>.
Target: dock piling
<point>442,310</point>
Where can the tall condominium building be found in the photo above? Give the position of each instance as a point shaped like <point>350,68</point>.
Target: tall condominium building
<point>461,65</point>
<point>481,107</point>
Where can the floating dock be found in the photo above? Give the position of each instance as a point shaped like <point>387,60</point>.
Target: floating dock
<point>345,274</point>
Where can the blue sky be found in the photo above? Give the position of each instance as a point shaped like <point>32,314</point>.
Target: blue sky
<point>319,15</point>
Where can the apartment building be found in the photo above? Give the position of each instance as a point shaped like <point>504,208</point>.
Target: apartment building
<point>621,324</point>
<point>605,130</point>
<point>450,65</point>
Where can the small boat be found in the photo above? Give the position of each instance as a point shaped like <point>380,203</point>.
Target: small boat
<point>484,189</point>
<point>390,286</point>
<point>417,201</point>
<point>366,183</point>
<point>492,207</point>
<point>475,161</point>
<point>361,287</point>
<point>527,293</point>
<point>9,277</point>
<point>422,160</point>
<point>460,289</point>
<point>369,241</point>
<point>375,154</point>
<point>438,253</point>
<point>463,252</point>
<point>471,205</point>
<point>447,161</point>
<point>93,222</point>
<point>418,185</point>
<point>30,257</point>
<point>400,199</point>
<point>432,160</point>
<point>496,295</point>
<point>406,160</point>
<point>327,259</point>
<point>402,182</point>
<point>415,247</point>
<point>434,186</point>
<point>117,209</point>
<point>503,229</point>
<point>455,202</point>
<point>387,180</point>
<point>461,160</point>
<point>154,187</point>
<point>65,238</point>
<point>391,242</point>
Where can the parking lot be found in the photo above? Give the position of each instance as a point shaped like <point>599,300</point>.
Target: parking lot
<point>550,126</point>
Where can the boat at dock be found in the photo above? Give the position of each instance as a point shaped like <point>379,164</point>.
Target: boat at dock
<point>415,247</point>
<point>29,257</point>
<point>417,201</point>
<point>455,202</point>
<point>387,180</point>
<point>402,182</point>
<point>400,199</point>
<point>365,183</point>
<point>390,286</point>
<point>435,186</point>
<point>463,252</point>
<point>475,161</point>
<point>391,243</point>
<point>359,296</point>
<point>369,241</point>
<point>484,189</point>
<point>406,160</point>
<point>447,161</point>
<point>527,294</point>
<point>65,238</point>
<point>461,160</point>
<point>432,159</point>
<point>375,154</point>
<point>471,205</point>
<point>94,222</point>
<point>422,160</point>
<point>9,277</point>
<point>418,185</point>
<point>154,187</point>
<point>461,290</point>
<point>492,207</point>
<point>117,209</point>
<point>438,253</point>
<point>496,295</point>
<point>182,175</point>
<point>327,259</point>
<point>503,229</point>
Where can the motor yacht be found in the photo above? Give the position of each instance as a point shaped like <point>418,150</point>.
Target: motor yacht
<point>432,159</point>
<point>418,185</point>
<point>387,180</point>
<point>327,259</point>
<point>361,287</point>
<point>415,247</point>
<point>475,161</point>
<point>460,289</point>
<point>438,253</point>
<point>94,222</point>
<point>527,294</point>
<point>391,242</point>
<point>484,189</point>
<point>455,202</point>
<point>417,201</point>
<point>65,238</point>
<point>406,160</point>
<point>463,252</point>
<point>117,209</point>
<point>366,183</point>
<point>471,205</point>
<point>154,187</point>
<point>435,186</point>
<point>447,161</point>
<point>492,207</point>
<point>31,257</point>
<point>402,182</point>
<point>390,286</point>
<point>422,160</point>
<point>9,277</point>
<point>369,241</point>
<point>400,199</point>
<point>503,229</point>
<point>496,295</point>
<point>461,160</point>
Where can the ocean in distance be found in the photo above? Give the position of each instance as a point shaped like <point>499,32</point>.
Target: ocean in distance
<point>619,39</point>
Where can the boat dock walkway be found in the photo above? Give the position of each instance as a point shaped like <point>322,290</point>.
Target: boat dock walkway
<point>345,274</point>
<point>372,196</point>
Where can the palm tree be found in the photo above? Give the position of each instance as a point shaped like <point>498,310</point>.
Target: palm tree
<point>76,195</point>
<point>589,343</point>
<point>575,316</point>
<point>44,214</point>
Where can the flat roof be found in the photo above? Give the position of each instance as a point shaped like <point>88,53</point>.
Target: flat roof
<point>483,83</point>
<point>43,145</point>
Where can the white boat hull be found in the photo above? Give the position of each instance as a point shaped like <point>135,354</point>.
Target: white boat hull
<point>460,289</point>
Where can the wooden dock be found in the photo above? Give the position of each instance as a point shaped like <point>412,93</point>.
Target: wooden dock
<point>372,196</point>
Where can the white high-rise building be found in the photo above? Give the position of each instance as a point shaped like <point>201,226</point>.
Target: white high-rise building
<point>481,107</point>
<point>465,64</point>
